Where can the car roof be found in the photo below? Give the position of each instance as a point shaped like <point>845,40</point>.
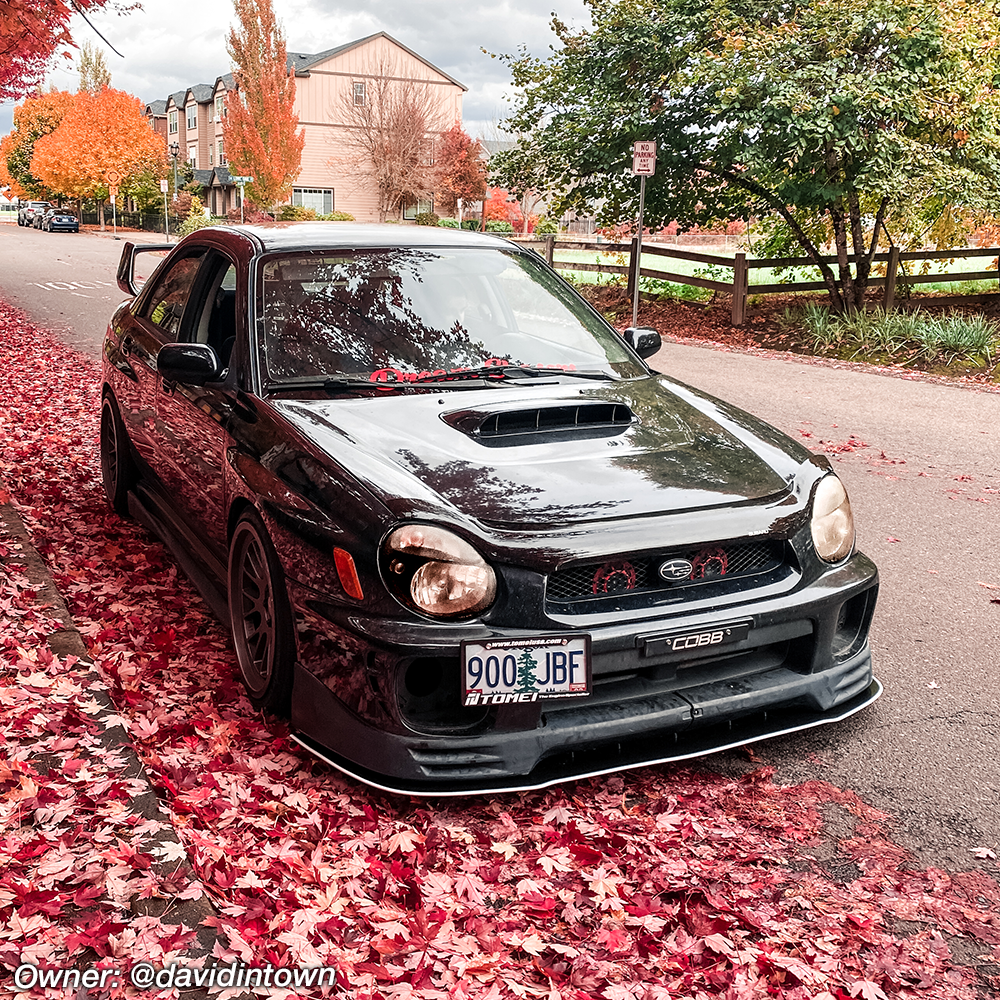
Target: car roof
<point>323,235</point>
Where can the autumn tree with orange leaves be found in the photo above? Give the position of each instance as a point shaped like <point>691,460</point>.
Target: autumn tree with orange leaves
<point>260,127</point>
<point>101,132</point>
<point>35,118</point>
<point>31,32</point>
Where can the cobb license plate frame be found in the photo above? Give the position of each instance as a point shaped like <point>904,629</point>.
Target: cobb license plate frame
<point>562,657</point>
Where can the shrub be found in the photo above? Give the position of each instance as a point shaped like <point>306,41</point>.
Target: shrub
<point>196,219</point>
<point>546,227</point>
<point>336,217</point>
<point>251,215</point>
<point>499,226</point>
<point>448,223</point>
<point>296,213</point>
<point>427,218</point>
<point>903,336</point>
<point>473,225</point>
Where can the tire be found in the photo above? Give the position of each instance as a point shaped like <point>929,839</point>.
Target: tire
<point>117,471</point>
<point>260,617</point>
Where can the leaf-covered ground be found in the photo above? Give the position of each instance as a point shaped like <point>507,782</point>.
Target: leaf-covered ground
<point>668,882</point>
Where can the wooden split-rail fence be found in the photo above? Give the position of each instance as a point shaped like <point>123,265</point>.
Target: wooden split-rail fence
<point>896,280</point>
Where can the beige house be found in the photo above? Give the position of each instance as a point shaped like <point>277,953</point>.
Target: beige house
<point>332,89</point>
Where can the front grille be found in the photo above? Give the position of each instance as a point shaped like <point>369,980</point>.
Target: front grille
<point>711,564</point>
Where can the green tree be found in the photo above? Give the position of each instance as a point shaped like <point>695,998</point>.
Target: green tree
<point>94,72</point>
<point>827,115</point>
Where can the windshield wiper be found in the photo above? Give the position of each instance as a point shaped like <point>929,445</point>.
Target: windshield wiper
<point>325,382</point>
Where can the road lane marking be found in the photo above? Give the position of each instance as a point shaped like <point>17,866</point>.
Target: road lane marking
<point>68,286</point>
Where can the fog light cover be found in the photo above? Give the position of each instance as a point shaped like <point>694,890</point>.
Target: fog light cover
<point>832,521</point>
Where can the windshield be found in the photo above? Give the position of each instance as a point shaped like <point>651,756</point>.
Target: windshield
<point>402,314</point>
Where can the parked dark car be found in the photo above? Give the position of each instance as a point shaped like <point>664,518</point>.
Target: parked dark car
<point>29,209</point>
<point>462,533</point>
<point>59,219</point>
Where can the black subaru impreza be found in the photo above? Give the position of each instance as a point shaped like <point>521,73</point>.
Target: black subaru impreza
<point>465,538</point>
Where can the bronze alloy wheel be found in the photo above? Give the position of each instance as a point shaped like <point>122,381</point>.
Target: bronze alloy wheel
<point>259,616</point>
<point>117,471</point>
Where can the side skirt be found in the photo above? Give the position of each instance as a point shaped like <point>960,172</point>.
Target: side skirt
<point>208,576</point>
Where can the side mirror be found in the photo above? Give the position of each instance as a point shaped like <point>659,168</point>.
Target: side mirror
<point>644,340</point>
<point>192,364</point>
<point>126,266</point>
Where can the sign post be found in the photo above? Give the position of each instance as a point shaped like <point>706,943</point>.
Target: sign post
<point>166,220</point>
<point>643,164</point>
<point>240,182</point>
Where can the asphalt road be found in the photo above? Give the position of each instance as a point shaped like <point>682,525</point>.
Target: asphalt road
<point>925,491</point>
<point>66,281</point>
<point>924,478</point>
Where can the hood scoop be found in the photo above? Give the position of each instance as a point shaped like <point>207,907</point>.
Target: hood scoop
<point>506,428</point>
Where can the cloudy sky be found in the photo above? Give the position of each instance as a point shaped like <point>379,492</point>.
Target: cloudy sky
<point>169,45</point>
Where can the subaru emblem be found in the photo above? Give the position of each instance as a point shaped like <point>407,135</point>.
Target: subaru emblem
<point>676,569</point>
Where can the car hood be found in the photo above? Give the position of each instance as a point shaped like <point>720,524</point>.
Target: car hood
<point>679,451</point>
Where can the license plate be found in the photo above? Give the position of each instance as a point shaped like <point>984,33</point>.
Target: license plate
<point>508,671</point>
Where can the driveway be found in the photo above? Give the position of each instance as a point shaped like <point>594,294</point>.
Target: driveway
<point>922,464</point>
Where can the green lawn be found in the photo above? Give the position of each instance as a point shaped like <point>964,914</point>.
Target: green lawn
<point>767,275</point>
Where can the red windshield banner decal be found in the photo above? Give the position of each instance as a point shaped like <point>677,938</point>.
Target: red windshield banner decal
<point>395,375</point>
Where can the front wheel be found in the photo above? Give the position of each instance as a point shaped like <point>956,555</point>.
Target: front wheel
<point>260,616</point>
<point>117,470</point>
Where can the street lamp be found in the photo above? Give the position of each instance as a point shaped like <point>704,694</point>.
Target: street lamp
<point>174,149</point>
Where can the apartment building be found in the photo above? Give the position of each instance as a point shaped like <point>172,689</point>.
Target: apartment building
<point>329,85</point>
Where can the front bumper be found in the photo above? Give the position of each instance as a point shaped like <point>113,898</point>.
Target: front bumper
<point>805,663</point>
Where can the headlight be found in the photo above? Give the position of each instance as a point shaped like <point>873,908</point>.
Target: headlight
<point>832,520</point>
<point>438,572</point>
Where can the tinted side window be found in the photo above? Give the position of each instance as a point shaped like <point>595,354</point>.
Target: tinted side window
<point>165,306</point>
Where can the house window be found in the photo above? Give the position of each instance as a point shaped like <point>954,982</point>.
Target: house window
<point>193,156</point>
<point>192,116</point>
<point>172,122</point>
<point>220,107</point>
<point>359,92</point>
<point>412,211</point>
<point>222,155</point>
<point>211,155</point>
<point>319,198</point>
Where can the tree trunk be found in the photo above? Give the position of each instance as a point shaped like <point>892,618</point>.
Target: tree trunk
<point>864,254</point>
<point>100,214</point>
<point>845,280</point>
<point>812,251</point>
